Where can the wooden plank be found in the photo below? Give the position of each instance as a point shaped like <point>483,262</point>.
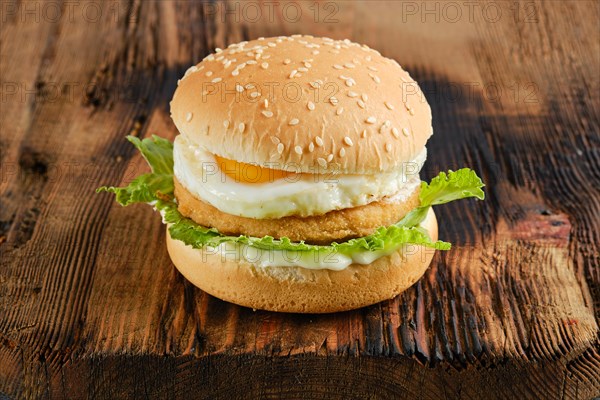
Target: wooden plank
<point>90,305</point>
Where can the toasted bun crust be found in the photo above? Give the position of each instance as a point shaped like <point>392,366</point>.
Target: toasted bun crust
<point>338,225</point>
<point>301,290</point>
<point>330,106</point>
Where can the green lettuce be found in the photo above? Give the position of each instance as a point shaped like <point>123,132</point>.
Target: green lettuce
<point>156,188</point>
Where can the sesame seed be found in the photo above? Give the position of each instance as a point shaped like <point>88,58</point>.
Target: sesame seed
<point>287,61</point>
<point>315,52</point>
<point>254,95</point>
<point>348,141</point>
<point>264,65</point>
<point>226,124</point>
<point>364,134</point>
<point>235,72</point>
<point>372,68</point>
<point>350,82</point>
<point>303,69</point>
<point>364,97</point>
<point>405,132</point>
<point>227,64</point>
<point>388,147</point>
<point>298,150</point>
<point>387,123</point>
<point>275,139</point>
<point>352,94</point>
<point>208,73</point>
<point>251,62</point>
<point>349,65</point>
<point>337,66</point>
<point>388,105</point>
<point>342,152</point>
<point>190,70</point>
<point>370,120</point>
<point>322,162</point>
<point>395,132</point>
<point>293,73</point>
<point>280,148</point>
<point>307,64</point>
<point>411,111</point>
<point>376,79</point>
<point>249,86</point>
<point>266,103</point>
<point>188,116</point>
<point>310,105</point>
<point>216,80</point>
<point>311,147</point>
<point>267,113</point>
<point>339,111</point>
<point>319,141</point>
<point>242,65</point>
<point>239,88</point>
<point>329,158</point>
<point>242,127</point>
<point>294,121</point>
<point>218,50</point>
<point>333,100</point>
<point>361,104</point>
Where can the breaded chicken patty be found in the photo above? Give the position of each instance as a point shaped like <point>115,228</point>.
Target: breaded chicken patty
<point>334,226</point>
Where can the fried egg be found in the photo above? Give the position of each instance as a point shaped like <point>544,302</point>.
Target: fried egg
<point>254,191</point>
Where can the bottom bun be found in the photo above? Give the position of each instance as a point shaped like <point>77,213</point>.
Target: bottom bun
<point>303,290</point>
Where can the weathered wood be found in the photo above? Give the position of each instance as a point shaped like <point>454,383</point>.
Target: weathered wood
<point>91,306</point>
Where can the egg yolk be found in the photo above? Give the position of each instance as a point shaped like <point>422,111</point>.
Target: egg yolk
<point>249,173</point>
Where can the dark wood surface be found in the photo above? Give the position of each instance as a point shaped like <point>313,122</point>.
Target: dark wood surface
<point>91,306</point>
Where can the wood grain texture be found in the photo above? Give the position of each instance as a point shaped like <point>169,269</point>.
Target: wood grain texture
<point>91,306</point>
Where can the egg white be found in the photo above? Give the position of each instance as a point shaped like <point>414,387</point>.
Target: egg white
<point>300,194</point>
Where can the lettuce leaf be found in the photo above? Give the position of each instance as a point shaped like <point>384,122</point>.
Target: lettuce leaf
<point>156,188</point>
<point>454,185</point>
<point>158,153</point>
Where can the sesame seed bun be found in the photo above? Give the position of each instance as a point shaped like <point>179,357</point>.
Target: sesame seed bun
<point>314,103</point>
<point>295,289</point>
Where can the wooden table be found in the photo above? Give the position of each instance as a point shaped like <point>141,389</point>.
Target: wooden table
<point>91,306</point>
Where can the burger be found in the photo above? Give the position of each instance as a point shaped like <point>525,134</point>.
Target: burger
<point>293,184</point>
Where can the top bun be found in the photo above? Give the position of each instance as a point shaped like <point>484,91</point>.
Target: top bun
<point>303,103</point>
